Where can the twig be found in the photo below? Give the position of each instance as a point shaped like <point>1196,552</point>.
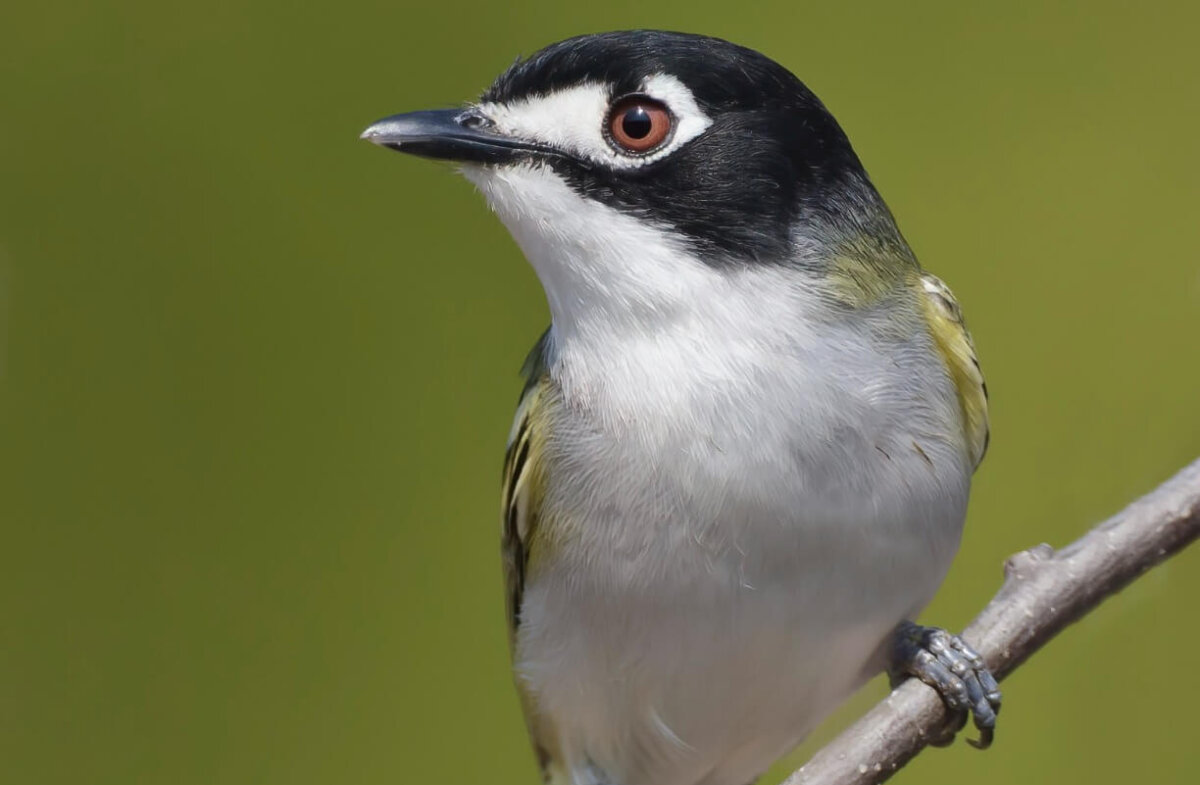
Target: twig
<point>1043,592</point>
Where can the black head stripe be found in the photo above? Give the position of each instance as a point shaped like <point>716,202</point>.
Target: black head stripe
<point>722,75</point>
<point>772,152</point>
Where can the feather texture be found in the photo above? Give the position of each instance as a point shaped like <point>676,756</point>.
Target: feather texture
<point>521,502</point>
<point>953,341</point>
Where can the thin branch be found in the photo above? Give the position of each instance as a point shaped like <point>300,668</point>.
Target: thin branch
<point>1044,591</point>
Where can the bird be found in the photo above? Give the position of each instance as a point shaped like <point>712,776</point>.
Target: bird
<point>741,459</point>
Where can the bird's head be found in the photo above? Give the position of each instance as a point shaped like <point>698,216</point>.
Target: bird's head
<point>651,155</point>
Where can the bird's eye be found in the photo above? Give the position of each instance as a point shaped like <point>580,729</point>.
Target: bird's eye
<point>638,124</point>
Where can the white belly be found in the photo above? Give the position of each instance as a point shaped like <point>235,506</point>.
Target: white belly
<point>721,579</point>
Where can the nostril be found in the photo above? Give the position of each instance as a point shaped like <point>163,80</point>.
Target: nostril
<point>473,118</point>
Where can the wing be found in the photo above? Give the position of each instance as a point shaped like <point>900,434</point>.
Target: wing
<point>949,330</point>
<point>521,500</point>
<point>521,497</point>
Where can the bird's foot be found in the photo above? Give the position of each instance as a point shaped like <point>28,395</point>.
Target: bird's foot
<point>945,662</point>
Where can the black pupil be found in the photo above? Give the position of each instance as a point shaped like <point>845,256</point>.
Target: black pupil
<point>636,123</point>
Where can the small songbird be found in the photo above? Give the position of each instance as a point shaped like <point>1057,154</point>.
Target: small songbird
<point>741,460</point>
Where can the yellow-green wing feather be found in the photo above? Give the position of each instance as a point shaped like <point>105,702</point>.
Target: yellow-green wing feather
<point>521,498</point>
<point>521,506</point>
<point>952,339</point>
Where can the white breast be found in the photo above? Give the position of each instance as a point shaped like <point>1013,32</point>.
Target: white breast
<point>748,490</point>
<point>745,523</point>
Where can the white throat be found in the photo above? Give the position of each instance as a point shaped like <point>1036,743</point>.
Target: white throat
<point>640,324</point>
<point>603,271</point>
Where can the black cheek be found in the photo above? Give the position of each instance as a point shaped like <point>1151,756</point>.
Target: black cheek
<point>728,205</point>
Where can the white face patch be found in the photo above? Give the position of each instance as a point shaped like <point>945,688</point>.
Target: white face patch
<point>604,271</point>
<point>598,266</point>
<point>573,120</point>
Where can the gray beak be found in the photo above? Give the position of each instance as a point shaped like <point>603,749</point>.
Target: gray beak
<point>450,135</point>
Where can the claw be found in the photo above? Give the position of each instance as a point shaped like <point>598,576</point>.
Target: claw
<point>946,663</point>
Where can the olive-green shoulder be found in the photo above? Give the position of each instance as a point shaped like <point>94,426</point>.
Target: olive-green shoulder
<point>521,491</point>
<point>520,529</point>
<point>952,339</point>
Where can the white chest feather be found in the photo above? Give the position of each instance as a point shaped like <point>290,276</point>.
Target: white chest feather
<point>744,492</point>
<point>733,545</point>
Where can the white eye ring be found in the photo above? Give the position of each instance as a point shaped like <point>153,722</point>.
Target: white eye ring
<point>576,121</point>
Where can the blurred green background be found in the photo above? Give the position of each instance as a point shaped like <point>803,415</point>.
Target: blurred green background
<point>256,375</point>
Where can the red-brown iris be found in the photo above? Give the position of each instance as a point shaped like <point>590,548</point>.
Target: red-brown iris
<point>638,124</point>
